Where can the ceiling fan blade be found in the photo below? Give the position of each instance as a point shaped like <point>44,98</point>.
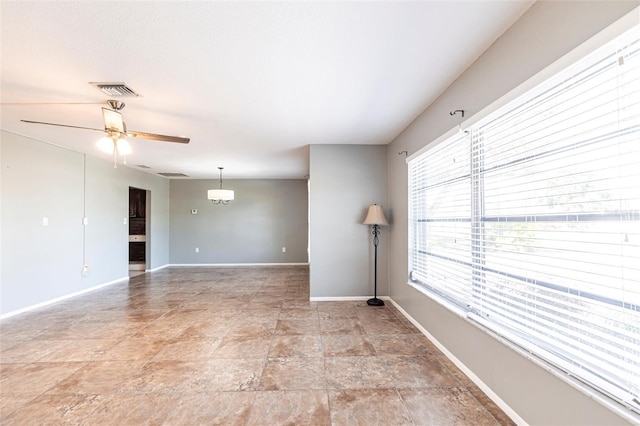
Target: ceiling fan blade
<point>154,137</point>
<point>62,125</point>
<point>51,103</point>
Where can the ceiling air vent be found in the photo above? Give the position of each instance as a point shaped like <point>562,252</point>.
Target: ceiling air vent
<point>116,89</point>
<point>173,174</point>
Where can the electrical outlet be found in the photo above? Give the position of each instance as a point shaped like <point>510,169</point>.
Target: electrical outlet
<point>197,249</point>
<point>86,271</point>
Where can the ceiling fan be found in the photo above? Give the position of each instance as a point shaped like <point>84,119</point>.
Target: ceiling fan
<point>116,130</point>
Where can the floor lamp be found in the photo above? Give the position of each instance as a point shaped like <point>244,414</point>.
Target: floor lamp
<point>375,217</point>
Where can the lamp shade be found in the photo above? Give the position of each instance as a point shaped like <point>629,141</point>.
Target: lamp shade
<point>375,216</point>
<point>220,194</point>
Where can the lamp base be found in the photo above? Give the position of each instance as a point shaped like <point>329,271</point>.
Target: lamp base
<point>375,302</point>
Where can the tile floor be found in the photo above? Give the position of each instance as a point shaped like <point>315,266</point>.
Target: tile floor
<point>227,346</point>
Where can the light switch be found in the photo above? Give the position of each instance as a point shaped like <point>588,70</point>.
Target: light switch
<point>85,221</point>
<point>45,221</point>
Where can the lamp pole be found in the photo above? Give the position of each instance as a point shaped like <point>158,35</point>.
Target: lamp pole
<point>375,301</point>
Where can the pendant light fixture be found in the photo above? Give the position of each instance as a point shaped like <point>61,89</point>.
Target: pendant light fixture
<point>220,196</point>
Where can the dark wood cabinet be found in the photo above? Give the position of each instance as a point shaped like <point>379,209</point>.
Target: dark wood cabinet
<point>137,226</point>
<point>136,251</point>
<point>137,202</point>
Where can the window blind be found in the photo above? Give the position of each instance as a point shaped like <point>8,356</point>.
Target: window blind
<point>530,220</point>
<point>441,243</point>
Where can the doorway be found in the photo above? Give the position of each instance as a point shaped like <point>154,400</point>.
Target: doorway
<point>138,235</point>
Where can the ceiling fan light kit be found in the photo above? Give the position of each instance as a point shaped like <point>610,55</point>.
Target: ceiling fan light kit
<point>115,144</point>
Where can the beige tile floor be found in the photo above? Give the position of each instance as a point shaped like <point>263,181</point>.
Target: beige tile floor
<point>227,346</point>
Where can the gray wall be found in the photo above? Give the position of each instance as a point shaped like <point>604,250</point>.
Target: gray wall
<point>344,181</point>
<point>40,263</point>
<point>544,34</point>
<point>265,216</point>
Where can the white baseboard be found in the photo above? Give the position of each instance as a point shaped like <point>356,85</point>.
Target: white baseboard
<point>235,265</point>
<point>469,373</point>
<point>61,298</point>
<point>166,265</point>
<point>345,298</point>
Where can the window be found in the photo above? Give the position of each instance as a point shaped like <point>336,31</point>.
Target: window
<point>529,221</point>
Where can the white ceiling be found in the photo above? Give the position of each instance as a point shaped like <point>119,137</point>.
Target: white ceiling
<point>251,83</point>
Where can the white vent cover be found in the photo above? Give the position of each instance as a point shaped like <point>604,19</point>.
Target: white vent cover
<point>116,89</point>
<point>167,174</point>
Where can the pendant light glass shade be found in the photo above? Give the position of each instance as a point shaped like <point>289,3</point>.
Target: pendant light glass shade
<point>221,194</point>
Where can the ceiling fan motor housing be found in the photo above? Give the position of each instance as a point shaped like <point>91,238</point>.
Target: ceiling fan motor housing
<point>117,105</point>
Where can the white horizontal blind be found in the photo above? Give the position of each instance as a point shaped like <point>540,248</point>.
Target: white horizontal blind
<point>553,243</point>
<point>440,214</point>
